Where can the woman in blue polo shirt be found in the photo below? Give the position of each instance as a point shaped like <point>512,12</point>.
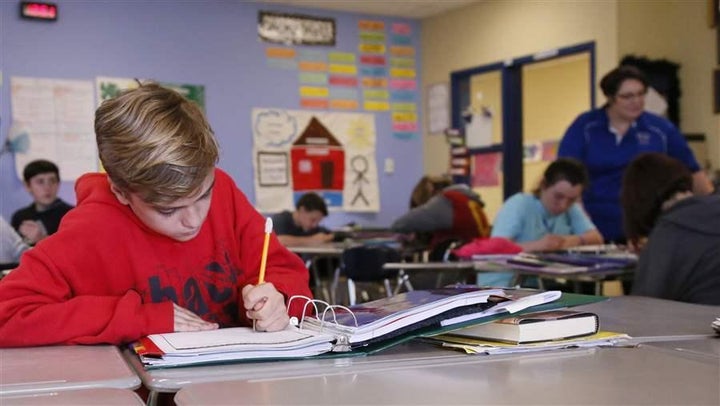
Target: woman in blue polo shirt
<point>608,138</point>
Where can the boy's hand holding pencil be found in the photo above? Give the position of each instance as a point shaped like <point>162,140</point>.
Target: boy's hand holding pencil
<point>263,303</point>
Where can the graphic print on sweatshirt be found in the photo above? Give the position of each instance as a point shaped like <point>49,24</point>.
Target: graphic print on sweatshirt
<point>209,291</point>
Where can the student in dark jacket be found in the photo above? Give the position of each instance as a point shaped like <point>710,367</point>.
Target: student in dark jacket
<point>42,217</point>
<point>676,233</point>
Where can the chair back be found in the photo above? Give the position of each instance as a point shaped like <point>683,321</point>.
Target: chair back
<point>365,263</point>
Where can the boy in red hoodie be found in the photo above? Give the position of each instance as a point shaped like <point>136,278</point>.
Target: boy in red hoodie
<point>163,242</point>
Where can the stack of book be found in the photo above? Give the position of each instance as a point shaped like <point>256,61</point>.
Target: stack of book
<point>531,332</point>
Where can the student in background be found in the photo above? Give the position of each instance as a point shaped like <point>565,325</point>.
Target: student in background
<point>608,138</point>
<point>451,213</point>
<point>163,242</point>
<point>427,187</point>
<point>11,244</point>
<point>550,218</point>
<point>302,226</point>
<point>676,232</point>
<point>42,217</point>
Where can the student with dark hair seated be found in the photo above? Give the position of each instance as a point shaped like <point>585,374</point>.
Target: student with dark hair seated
<point>550,218</point>
<point>676,233</point>
<point>302,226</point>
<point>42,217</point>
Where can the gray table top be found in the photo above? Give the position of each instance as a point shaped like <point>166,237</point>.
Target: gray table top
<point>60,368</point>
<point>605,376</point>
<point>628,314</point>
<point>651,319</point>
<point>95,396</point>
<point>709,348</point>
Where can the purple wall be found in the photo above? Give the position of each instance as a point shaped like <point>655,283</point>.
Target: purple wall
<point>212,43</point>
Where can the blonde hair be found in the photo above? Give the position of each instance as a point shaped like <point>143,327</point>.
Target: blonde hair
<point>154,142</point>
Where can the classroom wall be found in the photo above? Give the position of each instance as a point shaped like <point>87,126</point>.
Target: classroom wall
<point>214,44</point>
<point>493,31</point>
<point>678,31</point>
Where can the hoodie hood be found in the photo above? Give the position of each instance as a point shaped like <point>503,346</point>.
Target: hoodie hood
<point>94,187</point>
<point>697,213</point>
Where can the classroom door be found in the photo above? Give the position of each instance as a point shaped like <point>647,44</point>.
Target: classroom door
<point>554,92</point>
<point>486,101</point>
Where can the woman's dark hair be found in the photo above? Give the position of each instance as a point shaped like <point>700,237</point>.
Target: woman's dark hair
<point>611,82</point>
<point>650,180</point>
<point>567,169</point>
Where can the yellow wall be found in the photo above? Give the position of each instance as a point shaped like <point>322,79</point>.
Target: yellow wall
<point>493,31</point>
<point>678,31</point>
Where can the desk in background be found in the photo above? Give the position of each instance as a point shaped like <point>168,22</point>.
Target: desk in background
<point>311,253</point>
<point>607,376</point>
<point>35,370</point>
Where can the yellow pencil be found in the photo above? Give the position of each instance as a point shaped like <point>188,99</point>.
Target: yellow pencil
<point>263,257</point>
<point>266,243</point>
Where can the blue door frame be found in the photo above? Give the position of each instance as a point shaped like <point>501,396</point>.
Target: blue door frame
<point>511,74</point>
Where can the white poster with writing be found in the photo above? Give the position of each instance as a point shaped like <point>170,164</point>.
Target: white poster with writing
<point>56,117</point>
<point>328,153</point>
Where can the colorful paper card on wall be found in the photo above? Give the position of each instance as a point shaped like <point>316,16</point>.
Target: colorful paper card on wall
<point>400,116</point>
<point>378,60</point>
<point>400,40</point>
<point>321,104</point>
<point>341,57</point>
<point>402,73</point>
<point>340,104</point>
<point>486,168</point>
<point>376,105</point>
<point>403,107</point>
<point>314,91</point>
<point>402,62</point>
<point>532,152</point>
<point>371,48</point>
<point>374,82</point>
<point>403,84</point>
<point>402,51</point>
<point>283,53</point>
<point>376,94</point>
<point>337,80</point>
<point>373,71</point>
<point>369,25</point>
<point>401,29</point>
<point>312,66</point>
<point>405,127</point>
<point>549,150</point>
<point>402,95</point>
<point>343,69</point>
<point>372,37</point>
<point>313,78</point>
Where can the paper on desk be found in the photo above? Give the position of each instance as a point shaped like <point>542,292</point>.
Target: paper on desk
<point>519,300</point>
<point>477,346</point>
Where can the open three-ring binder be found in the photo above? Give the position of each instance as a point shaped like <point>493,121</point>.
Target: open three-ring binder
<point>337,331</point>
